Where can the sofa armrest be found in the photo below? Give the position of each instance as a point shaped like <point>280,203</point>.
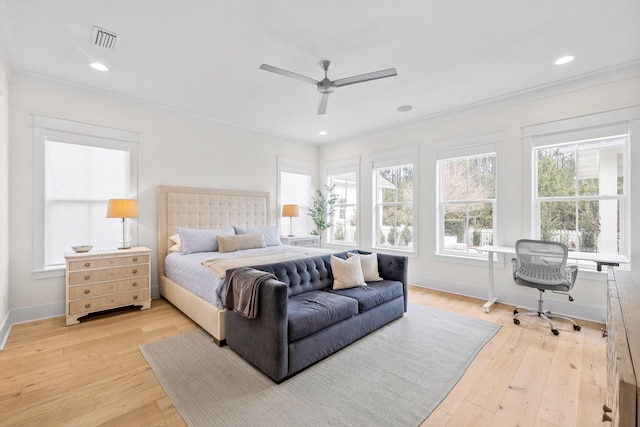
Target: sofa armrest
<point>262,341</point>
<point>395,267</point>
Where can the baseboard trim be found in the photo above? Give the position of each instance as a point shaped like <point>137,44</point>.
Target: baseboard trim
<point>39,312</point>
<point>5,328</point>
<point>571,309</point>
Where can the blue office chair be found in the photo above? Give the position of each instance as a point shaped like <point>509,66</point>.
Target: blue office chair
<point>543,265</point>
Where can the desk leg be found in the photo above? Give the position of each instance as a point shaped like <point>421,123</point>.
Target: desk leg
<point>491,298</point>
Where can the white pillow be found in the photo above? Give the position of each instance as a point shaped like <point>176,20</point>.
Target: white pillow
<point>271,233</point>
<point>174,243</point>
<point>347,273</point>
<point>202,239</point>
<point>240,241</point>
<point>369,264</point>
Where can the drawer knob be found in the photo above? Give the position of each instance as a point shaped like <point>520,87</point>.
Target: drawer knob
<point>87,277</point>
<point>87,264</point>
<point>605,408</point>
<point>87,305</point>
<point>135,297</point>
<point>86,291</point>
<point>135,271</point>
<point>134,284</point>
<point>605,333</point>
<point>605,418</point>
<point>135,259</point>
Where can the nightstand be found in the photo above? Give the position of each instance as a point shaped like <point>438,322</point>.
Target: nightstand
<point>307,241</point>
<point>102,280</point>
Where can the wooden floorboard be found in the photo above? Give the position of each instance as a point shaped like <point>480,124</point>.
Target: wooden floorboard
<point>94,374</point>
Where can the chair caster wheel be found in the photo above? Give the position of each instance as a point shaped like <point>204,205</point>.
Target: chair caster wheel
<point>555,331</point>
<point>516,321</point>
<point>576,327</point>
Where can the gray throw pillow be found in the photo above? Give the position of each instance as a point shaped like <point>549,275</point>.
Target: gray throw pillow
<point>202,239</point>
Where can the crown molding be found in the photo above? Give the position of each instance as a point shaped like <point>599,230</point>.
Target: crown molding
<point>599,77</point>
<point>39,80</point>
<point>583,81</point>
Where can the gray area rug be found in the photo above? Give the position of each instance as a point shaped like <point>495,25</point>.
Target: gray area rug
<point>396,376</point>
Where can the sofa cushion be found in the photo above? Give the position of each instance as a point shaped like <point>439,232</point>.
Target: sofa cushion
<point>372,295</point>
<point>312,311</point>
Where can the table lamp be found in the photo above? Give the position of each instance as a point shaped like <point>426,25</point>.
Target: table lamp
<point>290,211</point>
<point>122,208</point>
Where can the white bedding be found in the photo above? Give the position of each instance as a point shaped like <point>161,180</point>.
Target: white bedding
<point>188,271</point>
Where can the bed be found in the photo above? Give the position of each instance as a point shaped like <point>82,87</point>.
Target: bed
<point>207,209</point>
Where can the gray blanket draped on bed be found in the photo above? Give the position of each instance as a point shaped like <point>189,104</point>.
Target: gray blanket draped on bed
<point>243,287</point>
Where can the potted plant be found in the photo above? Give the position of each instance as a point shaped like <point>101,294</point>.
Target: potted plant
<point>321,210</point>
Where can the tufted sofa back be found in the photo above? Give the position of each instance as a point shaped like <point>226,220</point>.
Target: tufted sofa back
<point>314,273</point>
<point>304,275</point>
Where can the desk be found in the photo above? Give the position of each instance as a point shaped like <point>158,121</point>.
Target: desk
<point>609,260</point>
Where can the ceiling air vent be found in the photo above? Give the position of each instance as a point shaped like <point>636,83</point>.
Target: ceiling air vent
<point>104,38</point>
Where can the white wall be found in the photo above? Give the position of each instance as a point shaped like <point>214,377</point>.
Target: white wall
<point>179,150</point>
<point>429,271</point>
<point>4,203</point>
<point>174,150</point>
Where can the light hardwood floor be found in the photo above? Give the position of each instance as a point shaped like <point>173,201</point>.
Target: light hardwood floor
<point>93,373</point>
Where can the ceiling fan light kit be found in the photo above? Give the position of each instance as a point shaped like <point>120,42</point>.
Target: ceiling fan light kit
<point>326,86</point>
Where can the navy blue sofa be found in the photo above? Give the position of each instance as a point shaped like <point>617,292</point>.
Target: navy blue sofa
<point>302,320</point>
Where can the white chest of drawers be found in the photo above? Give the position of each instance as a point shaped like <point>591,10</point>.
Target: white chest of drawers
<point>102,280</point>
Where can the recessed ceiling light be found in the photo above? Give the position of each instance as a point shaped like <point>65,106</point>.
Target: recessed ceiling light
<point>322,133</point>
<point>98,66</point>
<point>404,108</point>
<point>564,60</point>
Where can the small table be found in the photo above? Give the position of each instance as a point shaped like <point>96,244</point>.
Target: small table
<point>306,241</point>
<point>608,260</point>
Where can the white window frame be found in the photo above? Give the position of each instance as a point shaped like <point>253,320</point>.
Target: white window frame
<point>301,167</point>
<point>597,125</point>
<point>70,131</point>
<point>344,167</point>
<point>388,159</point>
<point>460,148</point>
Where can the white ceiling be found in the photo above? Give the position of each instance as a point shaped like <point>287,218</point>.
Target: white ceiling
<point>202,56</point>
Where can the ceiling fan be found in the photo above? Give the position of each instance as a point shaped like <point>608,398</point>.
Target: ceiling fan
<point>326,86</point>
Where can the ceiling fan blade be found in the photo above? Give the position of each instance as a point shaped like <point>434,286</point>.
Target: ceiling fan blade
<point>288,74</point>
<point>389,72</point>
<point>322,104</point>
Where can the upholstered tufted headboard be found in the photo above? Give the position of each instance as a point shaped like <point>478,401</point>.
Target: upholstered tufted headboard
<point>193,207</point>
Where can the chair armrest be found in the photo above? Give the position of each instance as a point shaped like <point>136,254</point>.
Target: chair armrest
<point>516,265</point>
<point>573,274</point>
<point>262,341</point>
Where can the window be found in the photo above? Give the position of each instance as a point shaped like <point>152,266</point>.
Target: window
<point>467,194</point>
<point>294,186</point>
<point>579,190</point>
<point>580,194</point>
<point>467,201</point>
<point>394,198</point>
<point>344,178</point>
<point>78,167</point>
